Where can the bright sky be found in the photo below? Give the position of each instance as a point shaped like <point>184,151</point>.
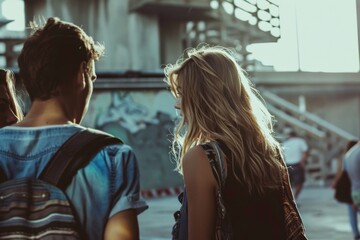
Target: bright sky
<point>14,10</point>
<point>326,38</point>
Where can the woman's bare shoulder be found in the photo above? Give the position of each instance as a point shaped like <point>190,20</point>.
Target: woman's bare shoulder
<point>196,167</point>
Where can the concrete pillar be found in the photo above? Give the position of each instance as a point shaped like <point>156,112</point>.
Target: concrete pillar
<point>171,41</point>
<point>144,42</point>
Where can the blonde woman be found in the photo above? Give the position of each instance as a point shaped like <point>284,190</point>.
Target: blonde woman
<point>219,108</point>
<point>10,111</point>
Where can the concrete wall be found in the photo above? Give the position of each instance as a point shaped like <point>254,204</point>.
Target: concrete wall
<point>340,110</point>
<point>132,40</point>
<point>145,121</point>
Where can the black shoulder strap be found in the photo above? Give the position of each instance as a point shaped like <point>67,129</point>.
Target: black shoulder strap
<point>212,157</point>
<point>74,154</point>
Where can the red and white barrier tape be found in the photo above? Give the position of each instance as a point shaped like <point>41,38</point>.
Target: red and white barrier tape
<point>162,192</point>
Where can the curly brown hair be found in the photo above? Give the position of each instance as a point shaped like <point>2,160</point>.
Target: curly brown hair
<point>52,55</point>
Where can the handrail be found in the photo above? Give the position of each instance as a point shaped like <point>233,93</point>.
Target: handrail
<point>319,121</point>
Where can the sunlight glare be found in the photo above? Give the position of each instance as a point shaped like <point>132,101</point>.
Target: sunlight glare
<point>14,10</point>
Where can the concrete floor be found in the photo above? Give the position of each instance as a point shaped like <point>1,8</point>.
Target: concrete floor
<point>323,217</point>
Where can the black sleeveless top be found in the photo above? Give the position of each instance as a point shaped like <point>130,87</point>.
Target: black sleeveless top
<point>253,217</point>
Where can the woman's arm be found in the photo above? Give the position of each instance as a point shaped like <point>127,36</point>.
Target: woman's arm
<point>201,188</point>
<point>122,226</point>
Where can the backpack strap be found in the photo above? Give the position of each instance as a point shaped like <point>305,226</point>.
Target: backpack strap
<point>74,154</point>
<point>3,177</point>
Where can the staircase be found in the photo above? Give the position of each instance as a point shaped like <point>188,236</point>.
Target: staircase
<point>326,141</point>
<point>236,25</point>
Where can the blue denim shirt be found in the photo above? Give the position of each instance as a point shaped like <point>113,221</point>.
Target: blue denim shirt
<point>107,185</point>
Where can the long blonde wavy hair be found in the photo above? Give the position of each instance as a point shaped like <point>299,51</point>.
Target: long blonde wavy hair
<point>8,94</point>
<point>218,103</point>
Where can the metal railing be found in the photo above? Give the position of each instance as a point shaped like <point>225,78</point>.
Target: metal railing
<point>326,140</point>
<point>320,124</point>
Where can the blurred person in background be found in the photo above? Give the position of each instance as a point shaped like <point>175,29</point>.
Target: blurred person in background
<point>220,109</point>
<point>352,167</point>
<point>352,212</point>
<point>295,153</point>
<point>10,110</point>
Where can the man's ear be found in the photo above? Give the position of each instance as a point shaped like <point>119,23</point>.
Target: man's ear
<point>81,75</point>
<point>83,67</point>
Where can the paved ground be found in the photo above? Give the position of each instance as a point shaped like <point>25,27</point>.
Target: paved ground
<point>324,218</point>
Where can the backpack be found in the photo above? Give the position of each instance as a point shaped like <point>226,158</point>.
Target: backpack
<point>343,189</point>
<point>39,208</point>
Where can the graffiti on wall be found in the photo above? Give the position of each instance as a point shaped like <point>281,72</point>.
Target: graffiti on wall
<point>145,121</point>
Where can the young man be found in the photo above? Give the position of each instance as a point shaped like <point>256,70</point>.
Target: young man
<point>295,154</point>
<point>57,67</point>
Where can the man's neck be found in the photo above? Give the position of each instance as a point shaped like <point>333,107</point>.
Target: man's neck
<point>43,113</point>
